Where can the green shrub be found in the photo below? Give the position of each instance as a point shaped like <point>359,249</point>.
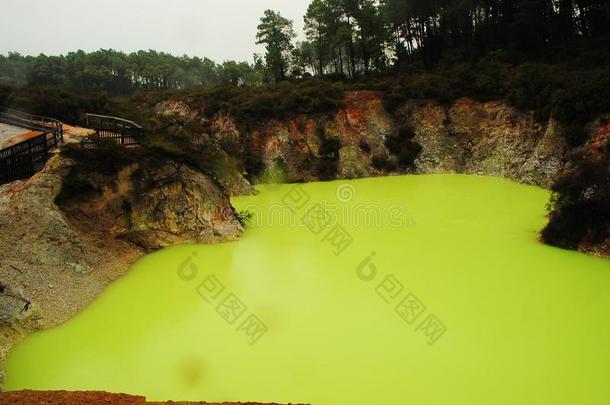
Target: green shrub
<point>279,101</point>
<point>403,146</point>
<point>364,146</point>
<point>532,86</point>
<point>419,86</point>
<point>328,164</point>
<point>579,211</point>
<point>383,163</point>
<point>408,153</point>
<point>245,217</point>
<point>55,102</point>
<point>5,94</point>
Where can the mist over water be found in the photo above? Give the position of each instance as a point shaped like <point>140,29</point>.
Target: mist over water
<point>416,289</point>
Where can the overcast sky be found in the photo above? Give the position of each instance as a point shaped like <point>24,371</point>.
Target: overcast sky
<point>219,29</point>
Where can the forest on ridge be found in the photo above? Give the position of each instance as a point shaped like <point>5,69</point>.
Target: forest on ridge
<point>345,40</point>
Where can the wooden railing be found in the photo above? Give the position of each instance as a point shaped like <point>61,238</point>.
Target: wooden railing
<point>24,159</point>
<point>122,131</point>
<point>32,122</point>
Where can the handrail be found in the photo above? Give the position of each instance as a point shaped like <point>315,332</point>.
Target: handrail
<point>108,118</point>
<point>23,119</point>
<point>119,130</point>
<point>25,158</point>
<point>20,122</point>
<point>31,117</point>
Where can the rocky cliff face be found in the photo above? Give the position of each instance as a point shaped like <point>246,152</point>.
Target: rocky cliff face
<point>154,204</point>
<point>56,260</point>
<point>361,128</point>
<point>490,138</point>
<point>486,138</point>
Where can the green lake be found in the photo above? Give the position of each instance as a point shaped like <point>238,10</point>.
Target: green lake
<point>412,289</point>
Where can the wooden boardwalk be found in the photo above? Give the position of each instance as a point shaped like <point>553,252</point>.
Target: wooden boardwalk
<point>8,133</point>
<point>24,155</point>
<point>28,153</point>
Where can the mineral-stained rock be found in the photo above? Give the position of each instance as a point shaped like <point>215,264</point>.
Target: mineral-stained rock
<point>177,204</point>
<point>155,204</point>
<point>486,138</point>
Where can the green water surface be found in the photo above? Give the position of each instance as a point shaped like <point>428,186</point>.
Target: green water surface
<point>417,289</point>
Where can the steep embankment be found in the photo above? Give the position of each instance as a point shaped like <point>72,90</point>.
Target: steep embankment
<point>490,138</point>
<point>56,260</point>
<point>486,138</point>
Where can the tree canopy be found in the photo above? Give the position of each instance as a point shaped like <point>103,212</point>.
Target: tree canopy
<point>276,33</point>
<point>357,37</point>
<point>343,39</point>
<point>117,73</point>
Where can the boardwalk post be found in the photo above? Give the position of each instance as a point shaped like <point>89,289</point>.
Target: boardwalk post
<point>31,157</point>
<point>46,147</point>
